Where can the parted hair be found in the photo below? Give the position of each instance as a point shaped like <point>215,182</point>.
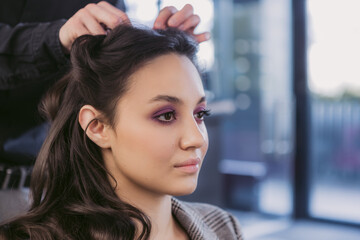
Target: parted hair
<point>71,195</point>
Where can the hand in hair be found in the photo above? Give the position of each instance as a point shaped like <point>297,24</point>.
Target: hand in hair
<point>185,20</point>
<point>94,19</point>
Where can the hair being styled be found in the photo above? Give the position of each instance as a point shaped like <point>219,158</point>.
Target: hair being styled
<point>72,197</point>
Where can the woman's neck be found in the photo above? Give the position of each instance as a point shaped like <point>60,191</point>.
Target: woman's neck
<point>159,212</point>
<point>158,209</point>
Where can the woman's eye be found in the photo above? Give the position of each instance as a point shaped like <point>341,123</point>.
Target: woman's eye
<point>167,117</point>
<point>200,115</point>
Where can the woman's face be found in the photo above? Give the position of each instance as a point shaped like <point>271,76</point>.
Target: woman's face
<point>159,140</point>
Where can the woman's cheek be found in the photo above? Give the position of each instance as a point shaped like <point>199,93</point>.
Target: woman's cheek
<point>160,143</point>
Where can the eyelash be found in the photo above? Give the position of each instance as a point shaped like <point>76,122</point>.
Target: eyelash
<point>205,112</point>
<point>172,114</point>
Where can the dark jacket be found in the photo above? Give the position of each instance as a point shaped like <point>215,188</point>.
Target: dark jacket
<point>31,60</point>
<point>206,222</point>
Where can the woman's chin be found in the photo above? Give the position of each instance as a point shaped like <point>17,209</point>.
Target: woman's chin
<point>184,190</point>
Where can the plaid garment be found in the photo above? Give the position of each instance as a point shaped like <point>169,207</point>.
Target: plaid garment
<point>205,221</point>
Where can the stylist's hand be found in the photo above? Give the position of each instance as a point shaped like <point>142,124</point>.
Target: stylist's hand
<point>185,20</point>
<point>93,19</point>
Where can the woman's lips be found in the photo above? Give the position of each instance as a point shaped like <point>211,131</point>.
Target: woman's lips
<point>189,166</point>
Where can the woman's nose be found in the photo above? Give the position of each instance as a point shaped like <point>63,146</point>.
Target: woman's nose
<point>194,134</point>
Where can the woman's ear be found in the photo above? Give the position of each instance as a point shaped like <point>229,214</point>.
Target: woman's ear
<point>95,129</point>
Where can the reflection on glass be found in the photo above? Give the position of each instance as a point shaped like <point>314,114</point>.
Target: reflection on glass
<point>334,73</point>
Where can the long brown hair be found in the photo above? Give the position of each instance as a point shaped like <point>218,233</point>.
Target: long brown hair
<point>72,197</point>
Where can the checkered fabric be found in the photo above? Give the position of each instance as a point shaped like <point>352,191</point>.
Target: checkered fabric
<point>205,221</point>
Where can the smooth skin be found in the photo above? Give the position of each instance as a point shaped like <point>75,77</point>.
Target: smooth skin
<point>158,125</point>
<point>97,19</point>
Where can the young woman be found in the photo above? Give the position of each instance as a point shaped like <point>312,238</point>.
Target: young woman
<point>127,134</point>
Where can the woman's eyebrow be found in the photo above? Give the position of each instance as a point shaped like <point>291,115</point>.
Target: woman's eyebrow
<point>172,99</point>
<point>166,98</point>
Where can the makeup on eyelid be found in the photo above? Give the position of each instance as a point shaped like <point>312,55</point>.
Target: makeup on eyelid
<point>170,110</point>
<point>201,109</point>
<point>167,110</point>
<point>163,111</point>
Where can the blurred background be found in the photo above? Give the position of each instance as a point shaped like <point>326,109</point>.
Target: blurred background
<point>283,82</point>
<point>282,78</point>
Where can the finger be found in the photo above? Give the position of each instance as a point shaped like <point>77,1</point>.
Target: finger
<point>80,31</point>
<point>91,24</point>
<point>190,23</point>
<point>68,34</point>
<point>202,37</point>
<point>181,16</point>
<point>164,15</point>
<point>103,16</point>
<point>107,6</point>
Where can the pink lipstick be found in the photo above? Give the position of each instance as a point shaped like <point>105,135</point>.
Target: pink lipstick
<point>189,166</point>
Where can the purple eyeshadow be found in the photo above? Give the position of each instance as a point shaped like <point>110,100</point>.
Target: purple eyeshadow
<point>162,111</point>
<point>199,109</point>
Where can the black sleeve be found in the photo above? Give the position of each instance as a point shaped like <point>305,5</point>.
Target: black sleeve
<point>29,51</point>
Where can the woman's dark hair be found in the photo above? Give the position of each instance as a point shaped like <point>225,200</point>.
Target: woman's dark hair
<point>72,197</point>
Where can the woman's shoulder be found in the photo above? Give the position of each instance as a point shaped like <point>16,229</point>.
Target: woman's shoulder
<point>207,217</point>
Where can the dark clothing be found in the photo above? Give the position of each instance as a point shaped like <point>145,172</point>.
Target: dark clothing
<point>31,60</point>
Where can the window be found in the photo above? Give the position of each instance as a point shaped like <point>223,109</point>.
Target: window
<point>333,79</point>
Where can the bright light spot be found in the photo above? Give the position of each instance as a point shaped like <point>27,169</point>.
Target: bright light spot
<point>242,46</point>
<point>242,83</point>
<point>206,54</point>
<point>242,65</point>
<point>242,101</point>
<point>142,12</point>
<point>334,49</point>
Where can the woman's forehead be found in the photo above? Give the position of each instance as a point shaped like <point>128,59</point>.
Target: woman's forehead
<point>170,74</point>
